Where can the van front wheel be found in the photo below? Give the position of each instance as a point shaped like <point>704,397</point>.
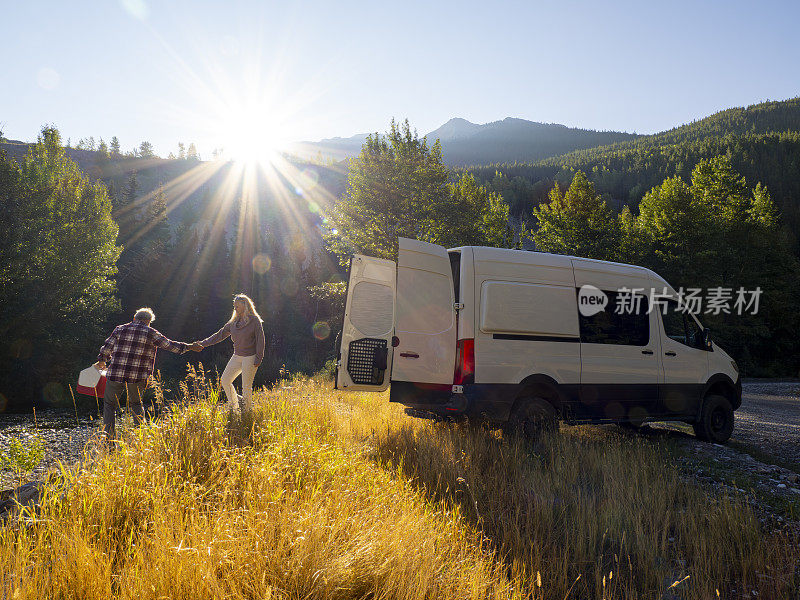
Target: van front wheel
<point>531,417</point>
<point>716,420</point>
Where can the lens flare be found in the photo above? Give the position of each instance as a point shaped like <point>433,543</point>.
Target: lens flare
<point>53,393</point>
<point>136,8</point>
<point>261,263</point>
<point>322,330</point>
<point>309,178</point>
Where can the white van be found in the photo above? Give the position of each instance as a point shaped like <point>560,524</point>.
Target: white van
<point>523,339</point>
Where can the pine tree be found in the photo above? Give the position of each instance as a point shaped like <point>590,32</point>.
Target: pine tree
<point>156,222</point>
<point>114,147</point>
<point>146,150</point>
<point>717,232</point>
<point>398,187</point>
<point>102,149</point>
<point>578,222</point>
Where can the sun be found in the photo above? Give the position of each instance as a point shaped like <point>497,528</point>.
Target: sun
<point>252,134</point>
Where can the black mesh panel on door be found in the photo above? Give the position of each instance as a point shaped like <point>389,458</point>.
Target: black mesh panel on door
<point>366,361</point>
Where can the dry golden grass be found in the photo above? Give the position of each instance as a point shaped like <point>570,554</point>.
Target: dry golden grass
<point>323,494</point>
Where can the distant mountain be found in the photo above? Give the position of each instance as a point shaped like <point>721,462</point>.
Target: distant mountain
<point>455,129</point>
<point>465,143</point>
<point>336,149</point>
<point>509,140</point>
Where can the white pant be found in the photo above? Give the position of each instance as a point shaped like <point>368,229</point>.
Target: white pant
<point>239,365</point>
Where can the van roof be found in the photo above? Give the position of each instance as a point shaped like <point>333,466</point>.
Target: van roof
<point>535,257</point>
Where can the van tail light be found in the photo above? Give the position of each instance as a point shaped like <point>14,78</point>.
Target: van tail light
<point>465,362</point>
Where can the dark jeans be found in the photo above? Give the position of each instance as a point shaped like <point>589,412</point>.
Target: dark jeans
<point>111,401</point>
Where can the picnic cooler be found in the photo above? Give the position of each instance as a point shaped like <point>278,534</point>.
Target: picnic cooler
<point>92,382</point>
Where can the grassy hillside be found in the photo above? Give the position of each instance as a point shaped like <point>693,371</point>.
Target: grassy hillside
<point>332,495</point>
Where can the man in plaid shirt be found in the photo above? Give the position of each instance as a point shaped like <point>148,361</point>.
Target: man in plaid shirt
<point>130,352</point>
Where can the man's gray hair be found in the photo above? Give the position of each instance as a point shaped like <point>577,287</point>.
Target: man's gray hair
<point>146,315</point>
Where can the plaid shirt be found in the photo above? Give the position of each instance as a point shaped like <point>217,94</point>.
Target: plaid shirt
<point>130,352</point>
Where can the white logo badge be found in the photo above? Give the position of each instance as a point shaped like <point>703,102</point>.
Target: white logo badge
<point>591,300</point>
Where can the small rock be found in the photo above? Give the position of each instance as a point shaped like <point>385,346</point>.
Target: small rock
<point>782,486</point>
<point>26,495</point>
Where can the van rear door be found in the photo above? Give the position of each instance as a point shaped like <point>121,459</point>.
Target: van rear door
<point>365,355</point>
<point>426,317</point>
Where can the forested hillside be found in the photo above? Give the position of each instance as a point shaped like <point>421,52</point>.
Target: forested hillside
<point>762,142</point>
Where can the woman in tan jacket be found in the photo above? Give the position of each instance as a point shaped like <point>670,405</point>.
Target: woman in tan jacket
<point>246,330</point>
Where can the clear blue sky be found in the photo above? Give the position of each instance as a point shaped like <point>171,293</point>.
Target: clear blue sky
<point>172,70</point>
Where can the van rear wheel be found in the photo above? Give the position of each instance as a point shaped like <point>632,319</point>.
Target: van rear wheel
<point>716,420</point>
<point>531,417</point>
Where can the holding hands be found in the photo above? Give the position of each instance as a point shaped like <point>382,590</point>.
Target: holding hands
<point>195,347</point>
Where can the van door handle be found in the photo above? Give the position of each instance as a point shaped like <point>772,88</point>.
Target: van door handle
<point>647,351</point>
<point>670,353</point>
<point>409,355</point>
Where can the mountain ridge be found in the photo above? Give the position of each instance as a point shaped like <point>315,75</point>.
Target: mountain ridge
<point>466,143</point>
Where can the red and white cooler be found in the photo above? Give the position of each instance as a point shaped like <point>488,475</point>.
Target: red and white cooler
<point>92,382</point>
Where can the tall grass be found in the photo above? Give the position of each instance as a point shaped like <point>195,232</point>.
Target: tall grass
<point>320,494</point>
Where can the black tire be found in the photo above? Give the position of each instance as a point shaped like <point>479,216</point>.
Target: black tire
<point>531,417</point>
<point>716,420</point>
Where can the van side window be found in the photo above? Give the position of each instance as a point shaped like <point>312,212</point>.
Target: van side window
<point>455,267</point>
<point>674,325</point>
<point>609,327</point>
<point>681,327</point>
<point>694,333</point>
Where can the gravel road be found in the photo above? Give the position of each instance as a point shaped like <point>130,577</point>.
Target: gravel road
<point>769,419</point>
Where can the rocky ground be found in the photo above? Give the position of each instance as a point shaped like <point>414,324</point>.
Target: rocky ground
<point>762,460</point>
<point>66,436</point>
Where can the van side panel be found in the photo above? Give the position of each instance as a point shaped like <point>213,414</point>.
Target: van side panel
<point>530,309</point>
<point>510,347</point>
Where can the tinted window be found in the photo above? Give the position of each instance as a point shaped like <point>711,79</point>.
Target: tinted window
<point>674,325</point>
<point>609,327</point>
<point>694,333</point>
<point>681,327</point>
<point>455,267</point>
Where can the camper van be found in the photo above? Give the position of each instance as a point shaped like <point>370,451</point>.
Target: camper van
<point>524,340</point>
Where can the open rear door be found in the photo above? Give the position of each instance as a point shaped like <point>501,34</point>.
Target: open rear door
<point>426,317</point>
<point>369,314</point>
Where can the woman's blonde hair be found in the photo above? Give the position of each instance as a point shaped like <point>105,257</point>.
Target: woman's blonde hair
<point>249,308</point>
